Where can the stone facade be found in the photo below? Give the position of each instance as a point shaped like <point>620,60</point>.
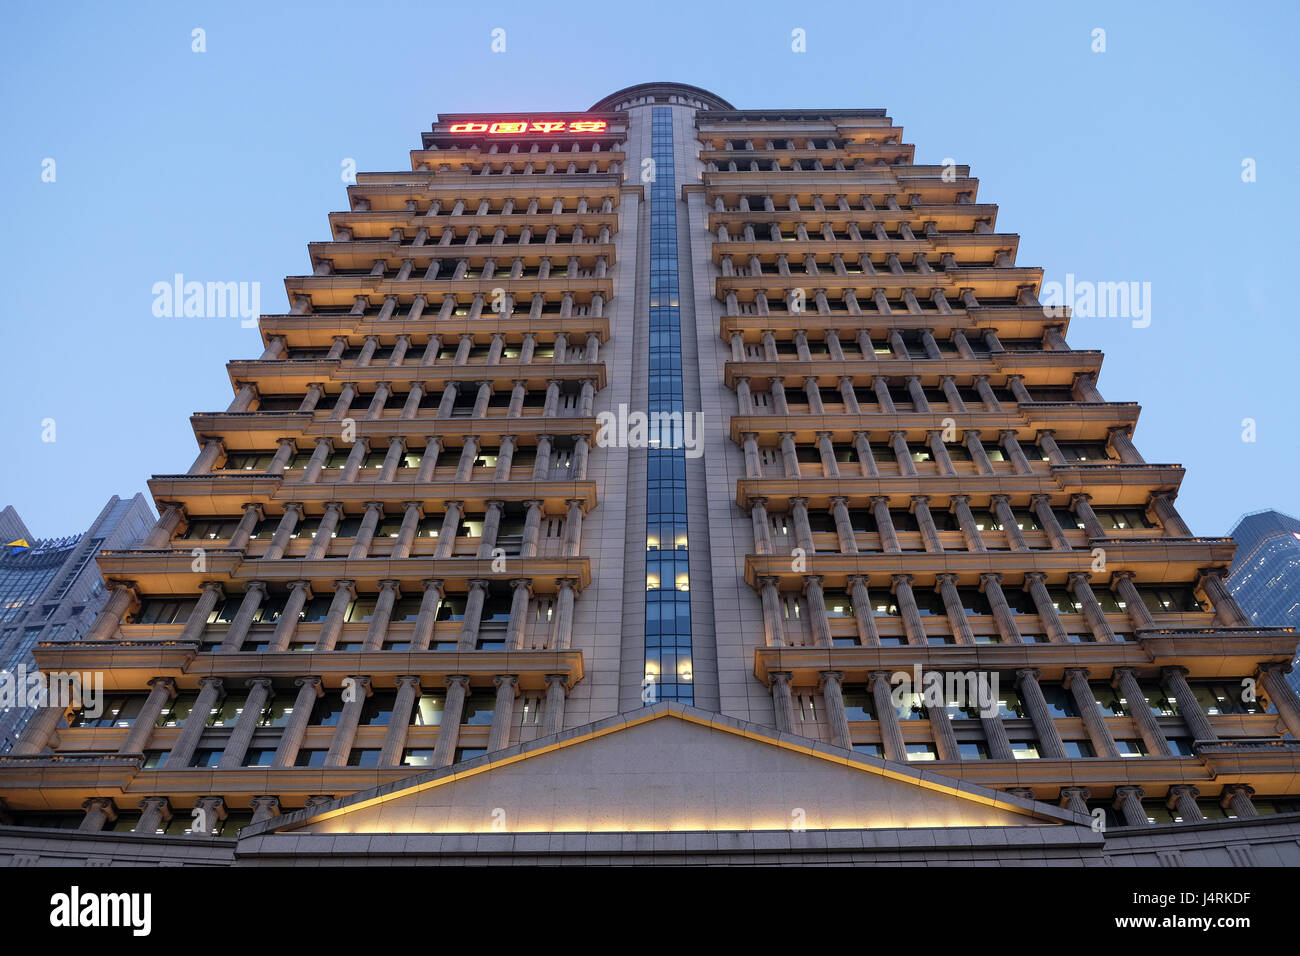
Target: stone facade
<point>410,558</point>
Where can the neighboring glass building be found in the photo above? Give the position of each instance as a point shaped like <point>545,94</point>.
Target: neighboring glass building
<point>51,589</point>
<point>1265,573</point>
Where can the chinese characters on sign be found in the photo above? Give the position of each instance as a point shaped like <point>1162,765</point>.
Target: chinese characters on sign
<point>516,127</point>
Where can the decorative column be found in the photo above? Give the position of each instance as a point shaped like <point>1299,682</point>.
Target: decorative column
<point>912,623</point>
<point>1010,526</point>
<point>1174,681</point>
<point>427,619</point>
<point>557,689</point>
<point>783,701</point>
<point>1076,799</point>
<point>1092,611</point>
<point>366,532</point>
<point>996,736</point>
<point>212,450</point>
<point>1236,800</point>
<point>1049,739</point>
<point>39,732</point>
<point>1128,801</point>
<point>773,623</point>
<point>836,717</point>
<point>542,464</point>
<point>1042,506</point>
<point>1227,612</point>
<point>198,620</point>
<point>1047,442</point>
<point>825,448</point>
<point>1076,682</point>
<point>450,527</point>
<point>412,512</point>
<point>284,531</point>
<point>1182,799</point>
<point>237,632</point>
<point>563,631</point>
<point>210,691</point>
<point>346,731</point>
<point>885,525</point>
<point>247,522</point>
<point>802,529</point>
<point>259,692</point>
<point>1282,695</point>
<point>316,464</point>
<point>532,528</point>
<point>891,732</point>
<point>580,455</point>
<point>1162,505</point>
<point>1125,681</point>
<point>516,627</point>
<point>1011,445</point>
<point>309,691</point>
<point>956,611</point>
<point>1121,582</point>
<point>762,531</point>
<point>1124,447</point>
<point>324,536</point>
<point>843,526</point>
<point>330,628</point>
<point>1036,585</point>
<point>155,813</point>
<point>1083,510</point>
<point>903,454</point>
<point>991,585</point>
<point>478,588</point>
<point>383,614</point>
<point>162,690</point>
<point>960,505</point>
<point>925,521</point>
<point>862,445</point>
<point>572,526</point>
<point>100,812</point>
<point>161,535</point>
<point>978,456</point>
<point>753,463</point>
<point>868,635</point>
<point>503,711</point>
<point>408,692</point>
<point>789,456</point>
<point>818,621</point>
<point>121,600</point>
<point>265,808</point>
<point>287,626</point>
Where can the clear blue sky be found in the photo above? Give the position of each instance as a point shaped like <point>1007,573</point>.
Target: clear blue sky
<point>1115,166</point>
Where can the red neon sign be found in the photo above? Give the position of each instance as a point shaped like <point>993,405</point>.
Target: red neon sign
<point>518,127</point>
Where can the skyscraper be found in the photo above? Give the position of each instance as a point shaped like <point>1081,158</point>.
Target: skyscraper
<point>51,589</point>
<point>669,469</point>
<point>1265,572</point>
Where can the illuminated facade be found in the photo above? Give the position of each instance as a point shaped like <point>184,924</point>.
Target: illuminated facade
<point>425,564</point>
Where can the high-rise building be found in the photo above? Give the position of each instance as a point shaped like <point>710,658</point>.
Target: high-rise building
<point>51,589</point>
<point>1265,572</point>
<point>669,481</point>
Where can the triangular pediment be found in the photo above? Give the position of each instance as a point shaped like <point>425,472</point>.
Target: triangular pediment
<point>669,768</point>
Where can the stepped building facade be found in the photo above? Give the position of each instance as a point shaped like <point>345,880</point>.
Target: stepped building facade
<point>667,481</point>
